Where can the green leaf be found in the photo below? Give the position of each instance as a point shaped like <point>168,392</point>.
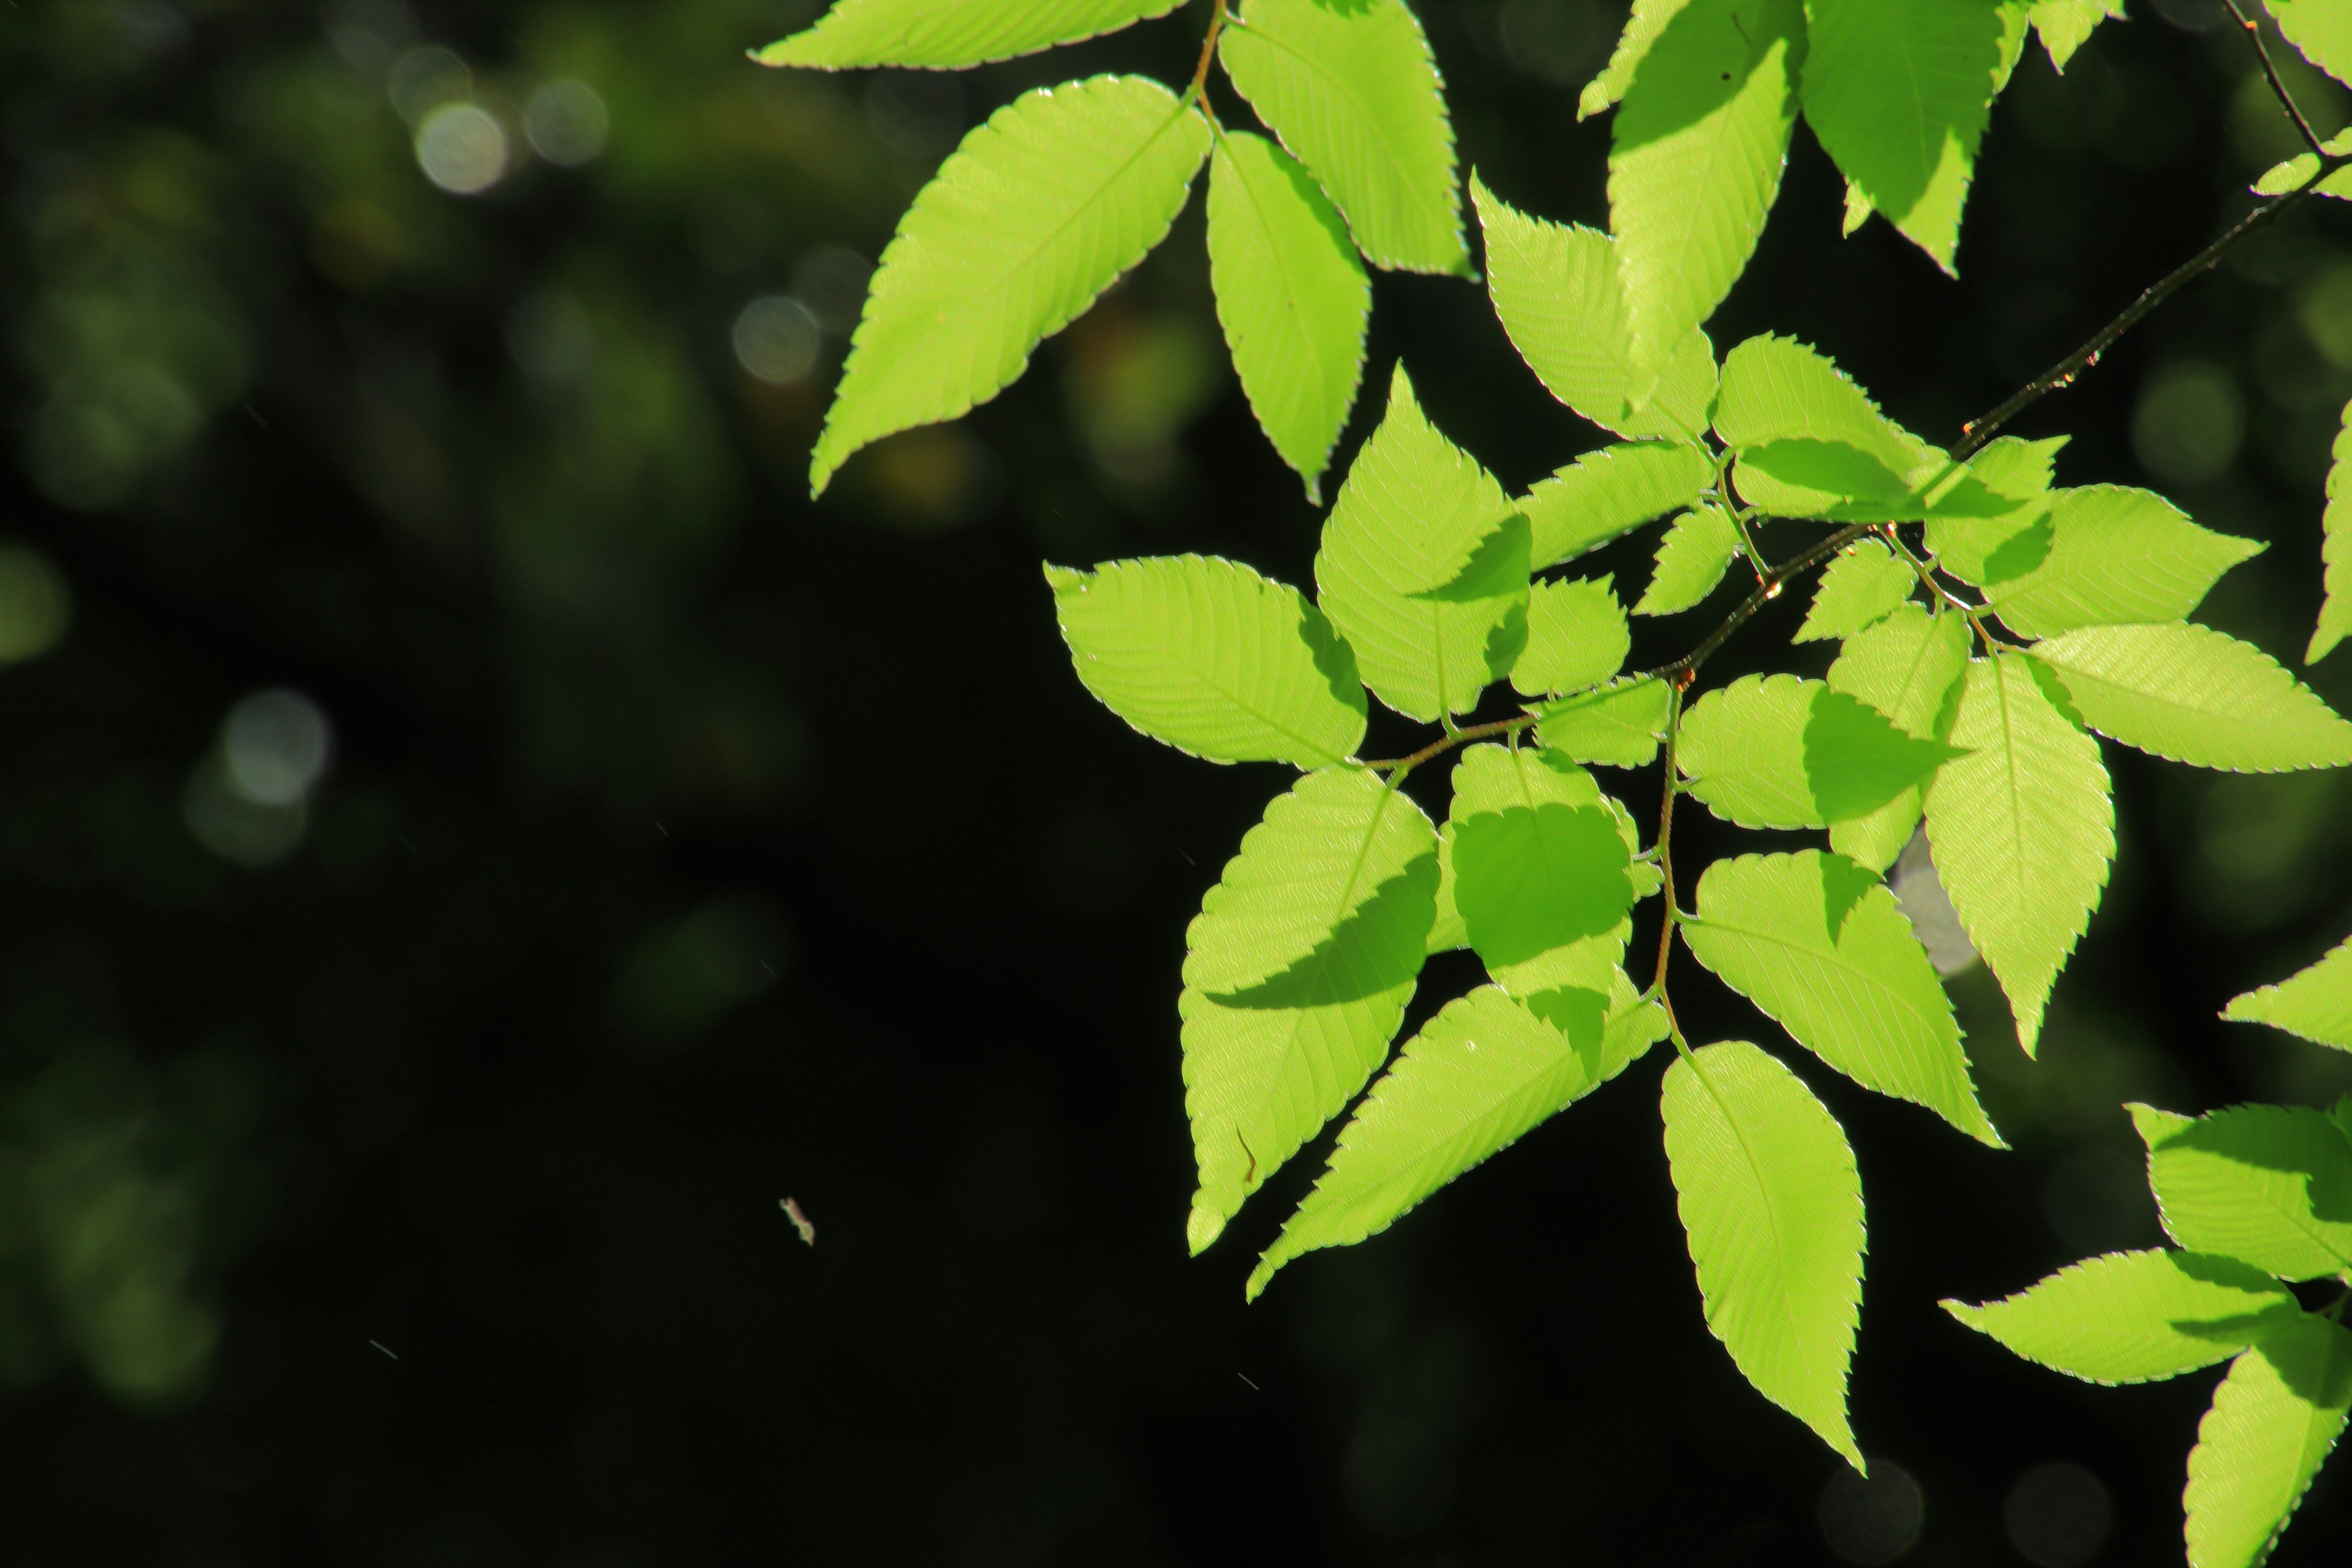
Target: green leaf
<point>1820,945</point>
<point>1477,1077</point>
<point>2136,1317</point>
<point>2192,695</point>
<point>1032,216</point>
<point>1768,1191</point>
<point>1691,560</point>
<point>1212,659</point>
<point>1491,780</point>
<point>1413,506</point>
<point>1291,295</point>
<point>2290,175</point>
<point>1620,725</point>
<point>1649,20</point>
<point>2064,24</point>
<point>950,33</point>
<point>1353,92</point>
<point>1606,494</point>
<point>2274,1418</point>
<point>1555,288</point>
<point>1340,846</point>
<point>1909,666</point>
<point>1781,751</point>
<point>2322,29</point>
<point>2116,557</point>
<point>1811,442</point>
<point>2017,469</point>
<point>2023,828</point>
<point>1912,150</point>
<point>2335,613</point>
<point>1531,878</point>
<point>1694,161</point>
<point>1577,638</point>
<point>1862,587</point>
<point>2315,1004</point>
<point>2269,1186</point>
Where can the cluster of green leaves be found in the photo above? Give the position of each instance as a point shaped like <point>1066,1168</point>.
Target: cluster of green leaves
<point>1062,190</point>
<point>2256,1198</point>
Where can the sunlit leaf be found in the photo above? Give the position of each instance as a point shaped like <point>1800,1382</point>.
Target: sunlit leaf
<point>2136,1317</point>
<point>2322,29</point>
<point>2023,828</point>
<point>2064,24</point>
<point>1291,295</point>
<point>1691,560</point>
<point>1577,638</point>
<point>1353,93</point>
<point>1909,666</point>
<point>1694,161</point>
<point>1620,725</point>
<point>1036,213</point>
<point>1821,946</point>
<point>1604,494</point>
<point>2275,1419</point>
<point>2269,1186</point>
<point>2193,695</point>
<point>2116,556</point>
<point>1861,587</point>
<point>1212,659</point>
<point>947,34</point>
<point>1648,19</point>
<point>2315,1004</point>
<point>1768,1194</point>
<point>2335,548</point>
<point>1811,442</point>
<point>1780,752</point>
<point>1414,505</point>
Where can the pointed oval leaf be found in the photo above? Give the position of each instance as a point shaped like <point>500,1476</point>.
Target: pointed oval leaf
<point>1212,659</point>
<point>2193,695</point>
<point>1531,878</point>
<point>1768,1194</point>
<point>1694,161</point>
<point>2136,1317</point>
<point>1912,151</point>
<point>1619,725</point>
<point>950,33</point>
<point>1490,779</point>
<point>2322,29</point>
<point>2275,1419</point>
<point>2335,548</point>
<point>1778,391</point>
<point>1291,295</point>
<point>1036,213</point>
<point>2023,828</point>
<point>2315,1004</point>
<point>2116,556</point>
<point>1606,494</point>
<point>1328,851</point>
<point>2269,1186</point>
<point>1413,508</point>
<point>2065,25</point>
<point>1781,751</point>
<point>1353,92</point>
<point>1909,666</point>
<point>1478,1077</point>
<point>1647,20</point>
<point>1862,587</point>
<point>1692,559</point>
<point>1577,638</point>
<point>1820,945</point>
<point>1555,288</point>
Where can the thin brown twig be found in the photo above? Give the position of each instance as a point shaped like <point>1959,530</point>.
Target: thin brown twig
<point>1446,743</point>
<point>2253,31</point>
<point>1199,88</point>
<point>1668,914</point>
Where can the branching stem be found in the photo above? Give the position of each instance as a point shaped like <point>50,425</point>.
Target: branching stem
<point>2253,31</point>
<point>1198,91</point>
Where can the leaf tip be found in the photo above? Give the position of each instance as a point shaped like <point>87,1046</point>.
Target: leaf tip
<point>1203,1227</point>
<point>1260,1277</point>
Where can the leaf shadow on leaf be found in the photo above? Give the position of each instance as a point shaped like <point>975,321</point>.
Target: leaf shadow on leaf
<point>1335,661</point>
<point>2315,1364</point>
<point>1379,946</point>
<point>1707,31</point>
<point>2020,553</point>
<point>1528,879</point>
<point>1836,466</point>
<point>1499,565</point>
<point>1844,883</point>
<point>1856,760</point>
<point>1578,1011</point>
<point>2252,1135</point>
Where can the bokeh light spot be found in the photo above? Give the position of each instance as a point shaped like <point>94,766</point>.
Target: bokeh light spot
<point>2190,423</point>
<point>34,604</point>
<point>1868,1521</point>
<point>566,122</point>
<point>276,746</point>
<point>422,80</point>
<point>2058,1516</point>
<point>462,148</point>
<point>776,339</point>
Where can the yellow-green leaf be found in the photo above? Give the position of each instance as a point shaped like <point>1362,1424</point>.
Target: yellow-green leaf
<point>950,33</point>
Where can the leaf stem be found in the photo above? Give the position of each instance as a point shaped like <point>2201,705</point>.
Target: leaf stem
<point>1199,88</point>
<point>1668,914</point>
<point>1926,579</point>
<point>1447,741</point>
<point>2253,31</point>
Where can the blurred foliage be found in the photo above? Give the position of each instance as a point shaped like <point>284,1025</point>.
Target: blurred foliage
<point>674,845</point>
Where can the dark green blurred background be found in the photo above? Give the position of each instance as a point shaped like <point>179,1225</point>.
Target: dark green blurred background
<point>474,837</point>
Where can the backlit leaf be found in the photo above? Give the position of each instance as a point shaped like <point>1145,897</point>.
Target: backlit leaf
<point>1909,666</point>
<point>1820,945</point>
<point>2064,24</point>
<point>1353,93</point>
<point>1491,780</point>
<point>2315,1004</point>
<point>1913,150</point>
<point>1768,1191</point>
<point>1036,213</point>
<point>1691,560</point>
<point>1555,288</point>
<point>1212,659</point>
<point>1291,295</point>
<point>2115,557</point>
<point>2335,548</point>
<point>1780,752</point>
<point>950,33</point>
<point>2322,29</point>
<point>1606,494</point>
<point>1620,725</point>
<point>2193,695</point>
<point>2274,1418</point>
<point>1649,19</point>
<point>1414,504</point>
<point>1861,587</point>
<point>1810,440</point>
<point>1695,161</point>
<point>2296,171</point>
<point>2023,831</point>
<point>1477,1079</point>
<point>2269,1186</point>
<point>1577,638</point>
<point>1530,878</point>
<point>2136,1317</point>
